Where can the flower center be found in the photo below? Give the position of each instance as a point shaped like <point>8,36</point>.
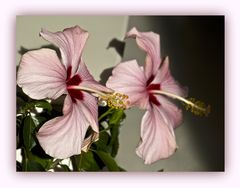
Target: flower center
<point>113,100</point>
<point>153,99</point>
<point>73,81</point>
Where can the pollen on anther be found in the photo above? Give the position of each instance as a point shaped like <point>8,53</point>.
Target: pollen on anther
<point>117,101</point>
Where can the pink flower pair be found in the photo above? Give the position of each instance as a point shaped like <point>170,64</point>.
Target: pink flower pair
<point>42,75</point>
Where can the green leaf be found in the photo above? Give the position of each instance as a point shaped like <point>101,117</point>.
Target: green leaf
<point>121,169</point>
<point>26,107</point>
<point>108,160</point>
<point>19,131</point>
<point>44,162</point>
<point>103,115</point>
<point>39,120</point>
<point>76,162</point>
<point>114,121</point>
<point>114,142</point>
<point>38,151</point>
<point>103,141</point>
<point>34,166</point>
<point>43,104</point>
<point>29,106</point>
<point>28,129</point>
<point>20,104</point>
<point>85,162</point>
<point>116,117</point>
<point>29,164</point>
<point>88,162</point>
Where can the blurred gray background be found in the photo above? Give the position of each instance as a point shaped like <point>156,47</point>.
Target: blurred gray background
<point>195,46</point>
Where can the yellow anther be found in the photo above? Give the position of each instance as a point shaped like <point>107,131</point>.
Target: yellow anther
<point>197,107</point>
<point>114,100</point>
<point>117,101</point>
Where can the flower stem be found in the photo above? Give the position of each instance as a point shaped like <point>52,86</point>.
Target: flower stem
<point>104,130</point>
<point>55,163</point>
<point>105,114</point>
<point>79,163</point>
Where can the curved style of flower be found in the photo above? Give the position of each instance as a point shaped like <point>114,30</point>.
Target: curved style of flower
<point>149,88</point>
<point>43,75</point>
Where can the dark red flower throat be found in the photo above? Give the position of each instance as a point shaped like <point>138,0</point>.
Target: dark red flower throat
<point>150,87</point>
<point>73,81</point>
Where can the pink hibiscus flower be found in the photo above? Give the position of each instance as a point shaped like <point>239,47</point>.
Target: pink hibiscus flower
<point>148,88</point>
<point>42,75</point>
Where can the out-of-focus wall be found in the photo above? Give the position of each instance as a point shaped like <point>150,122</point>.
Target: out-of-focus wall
<point>102,29</point>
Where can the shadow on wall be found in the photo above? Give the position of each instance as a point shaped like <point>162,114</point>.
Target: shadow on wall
<point>23,50</point>
<point>119,47</point>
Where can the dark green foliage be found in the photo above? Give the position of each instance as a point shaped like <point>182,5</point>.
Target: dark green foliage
<point>100,156</point>
<point>28,128</point>
<point>108,160</point>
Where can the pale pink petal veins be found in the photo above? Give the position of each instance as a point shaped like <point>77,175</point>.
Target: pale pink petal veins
<point>128,78</point>
<point>88,80</point>
<point>150,43</point>
<point>171,113</point>
<point>70,42</point>
<point>41,74</point>
<point>63,136</point>
<point>89,109</point>
<point>167,82</point>
<point>157,138</point>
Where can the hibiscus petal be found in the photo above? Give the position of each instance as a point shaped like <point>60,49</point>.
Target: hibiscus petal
<point>89,108</point>
<point>63,136</point>
<point>172,114</point>
<point>150,43</point>
<point>128,78</point>
<point>157,138</point>
<point>168,83</point>
<point>70,42</point>
<point>88,80</point>
<point>41,74</point>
